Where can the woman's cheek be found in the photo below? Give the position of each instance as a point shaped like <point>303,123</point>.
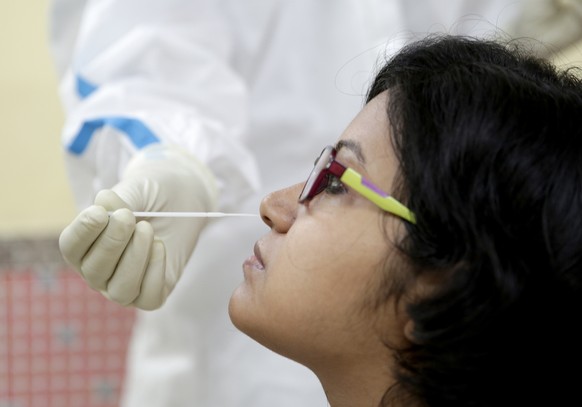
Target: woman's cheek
<point>308,244</point>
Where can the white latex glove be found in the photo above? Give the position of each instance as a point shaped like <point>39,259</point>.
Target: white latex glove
<point>140,263</point>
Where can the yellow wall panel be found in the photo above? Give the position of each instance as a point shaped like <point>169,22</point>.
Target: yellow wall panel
<point>35,198</point>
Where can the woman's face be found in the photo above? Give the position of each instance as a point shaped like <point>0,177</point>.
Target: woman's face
<point>311,286</point>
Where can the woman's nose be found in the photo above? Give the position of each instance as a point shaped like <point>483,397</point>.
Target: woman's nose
<point>279,209</point>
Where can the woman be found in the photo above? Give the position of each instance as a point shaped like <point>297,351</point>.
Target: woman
<point>466,291</point>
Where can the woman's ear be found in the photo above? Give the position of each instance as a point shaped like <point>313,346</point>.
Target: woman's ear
<point>426,285</point>
<point>409,332</point>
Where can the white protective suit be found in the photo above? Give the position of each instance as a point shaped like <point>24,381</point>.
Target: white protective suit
<point>249,87</point>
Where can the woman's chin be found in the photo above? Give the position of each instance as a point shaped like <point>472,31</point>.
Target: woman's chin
<point>241,308</point>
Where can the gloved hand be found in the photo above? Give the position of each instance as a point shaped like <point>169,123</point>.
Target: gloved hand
<point>140,263</point>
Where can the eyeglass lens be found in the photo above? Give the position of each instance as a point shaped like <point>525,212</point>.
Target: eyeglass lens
<point>314,183</point>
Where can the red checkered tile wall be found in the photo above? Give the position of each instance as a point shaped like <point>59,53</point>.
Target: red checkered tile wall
<point>61,343</point>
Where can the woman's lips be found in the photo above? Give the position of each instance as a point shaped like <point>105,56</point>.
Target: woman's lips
<point>257,252</point>
<point>255,261</point>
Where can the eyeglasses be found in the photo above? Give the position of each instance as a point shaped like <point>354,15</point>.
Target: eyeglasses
<point>319,180</point>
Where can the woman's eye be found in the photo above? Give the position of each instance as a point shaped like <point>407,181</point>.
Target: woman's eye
<point>334,186</point>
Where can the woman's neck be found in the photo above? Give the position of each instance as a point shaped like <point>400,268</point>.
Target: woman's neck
<point>356,384</point>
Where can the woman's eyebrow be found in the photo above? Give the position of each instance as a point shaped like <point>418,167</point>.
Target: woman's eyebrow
<point>354,147</point>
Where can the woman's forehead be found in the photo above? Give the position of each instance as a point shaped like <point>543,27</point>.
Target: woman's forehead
<point>370,126</point>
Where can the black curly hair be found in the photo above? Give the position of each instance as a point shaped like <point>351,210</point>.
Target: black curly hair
<point>489,140</point>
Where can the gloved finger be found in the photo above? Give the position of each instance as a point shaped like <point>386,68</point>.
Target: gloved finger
<point>101,260</point>
<point>110,200</point>
<point>78,237</point>
<point>153,286</point>
<point>124,286</point>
